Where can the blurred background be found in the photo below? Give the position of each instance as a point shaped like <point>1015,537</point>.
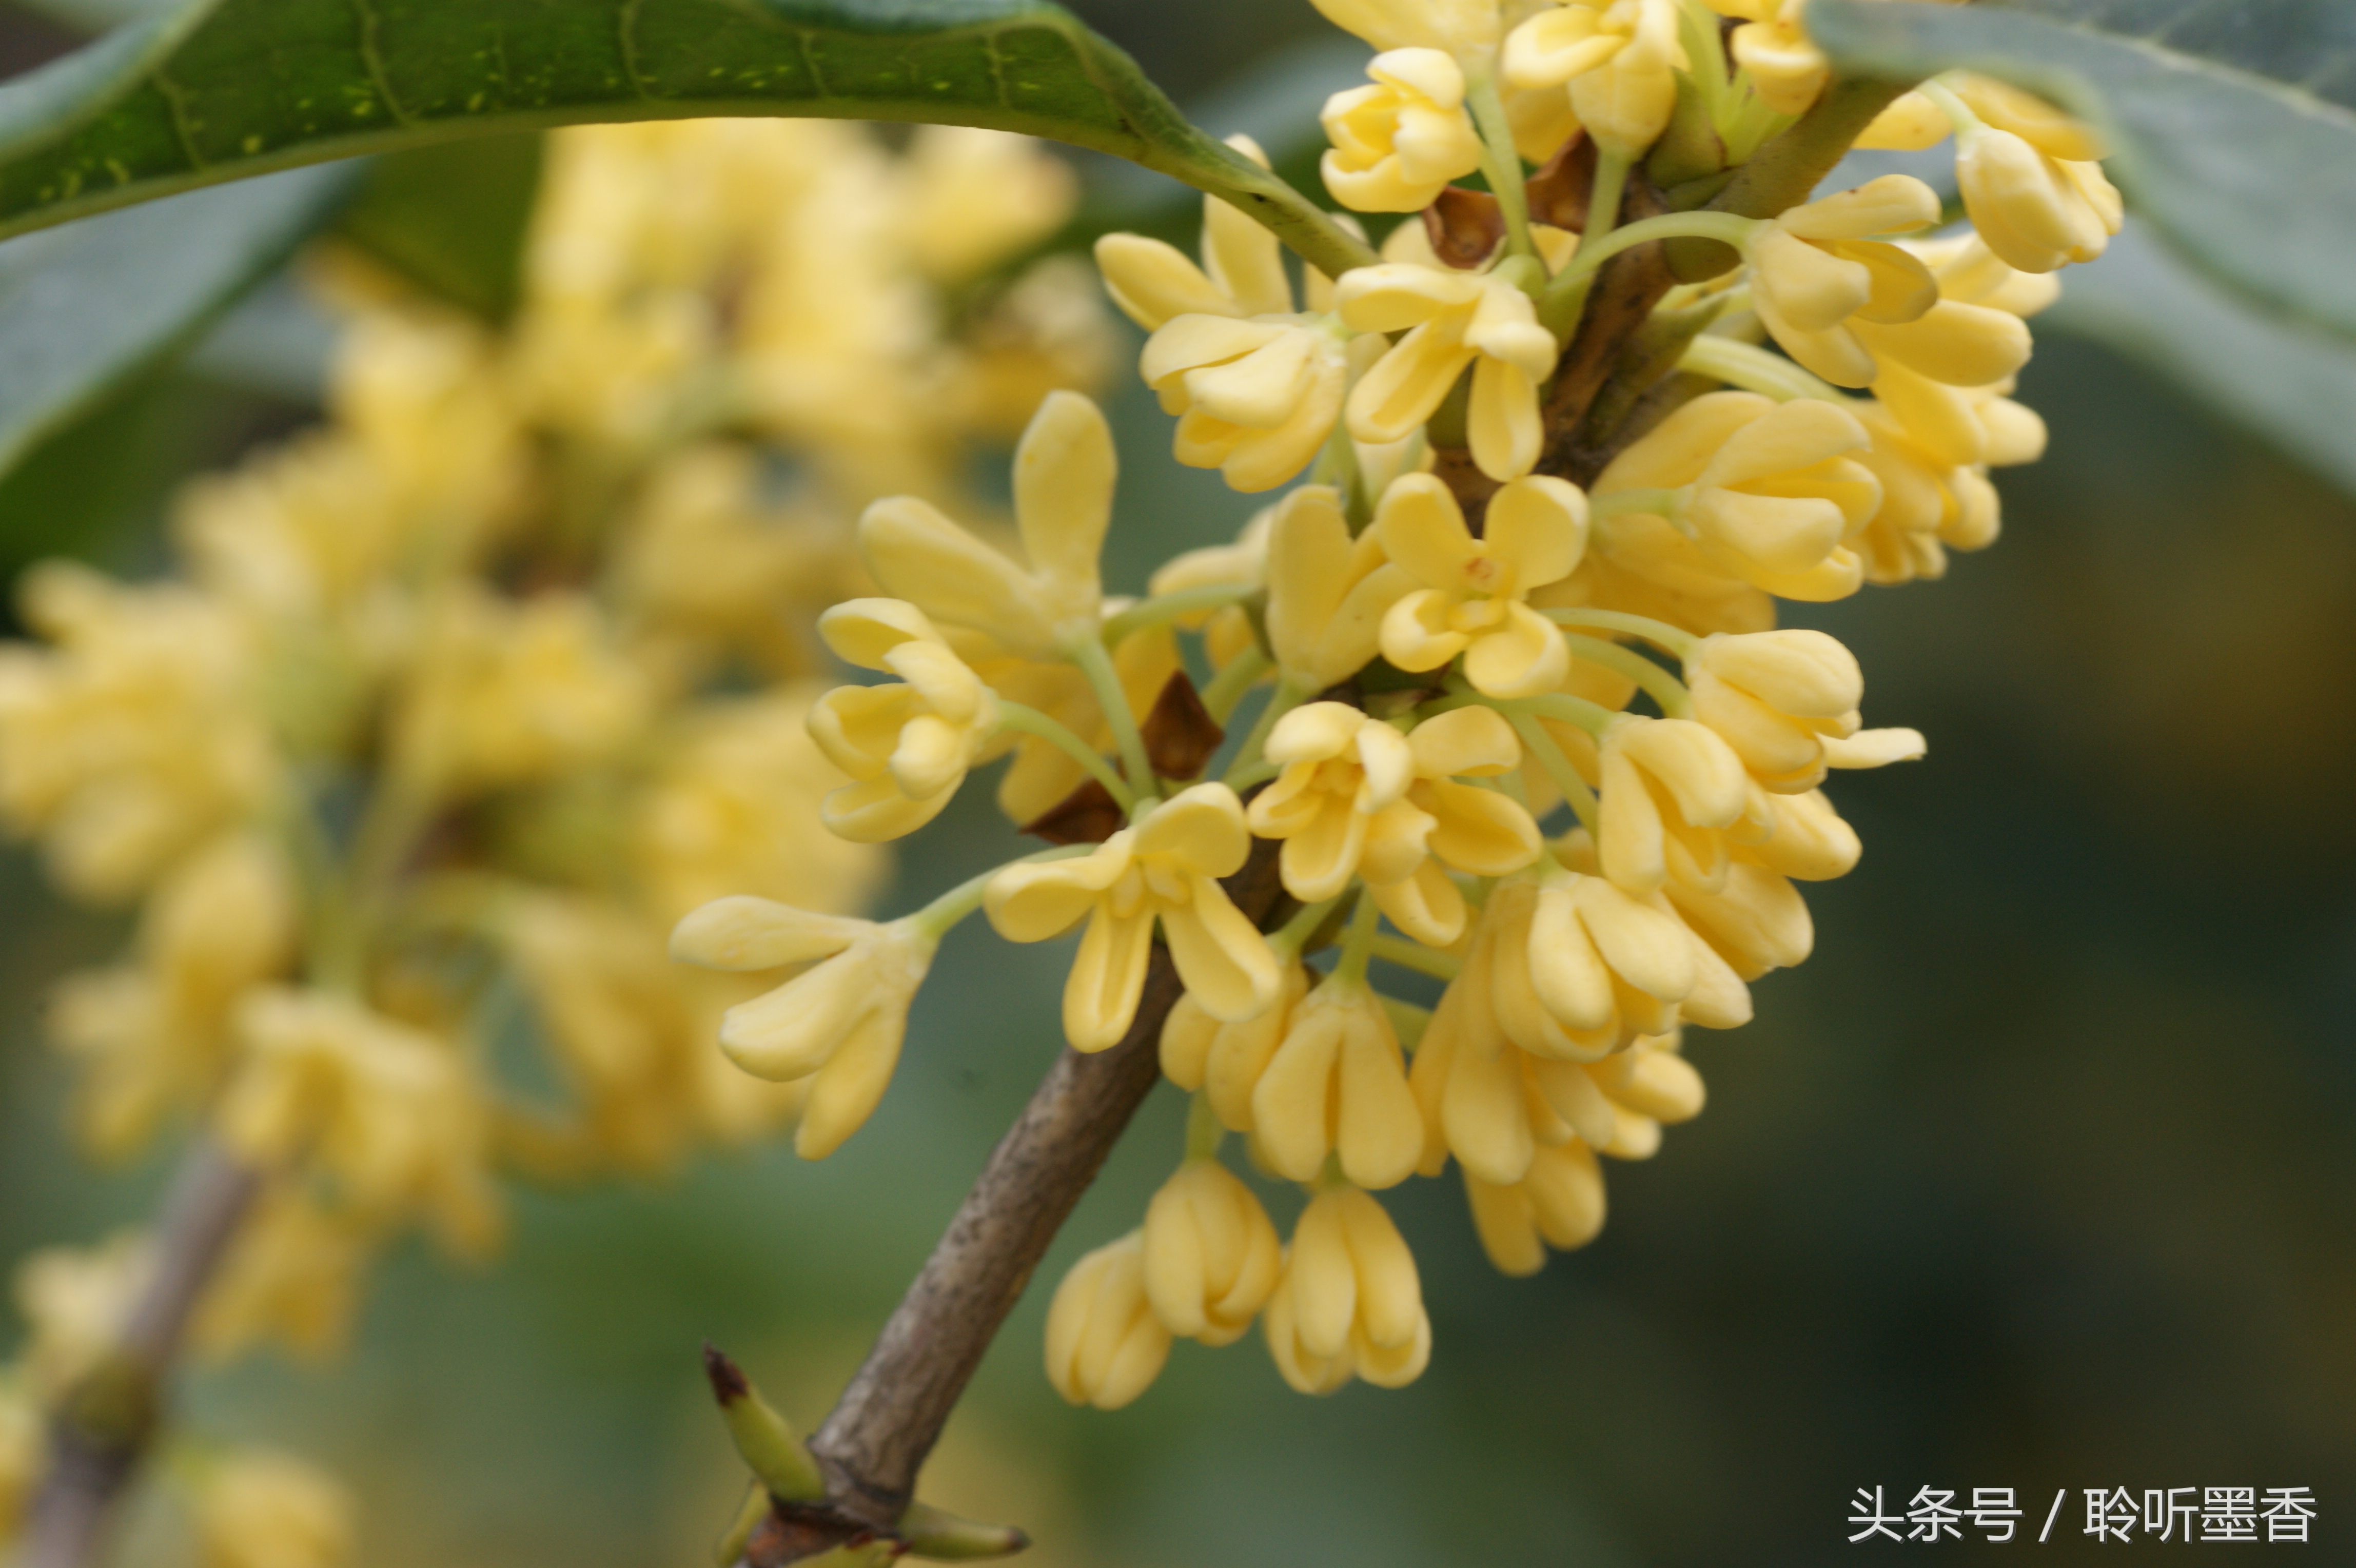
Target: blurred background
<point>2040,1174</point>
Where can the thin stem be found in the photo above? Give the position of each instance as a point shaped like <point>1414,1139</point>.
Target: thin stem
<point>1203,1132</point>
<point>1097,665</point>
<point>1676,639</point>
<point>1654,682</point>
<point>1414,955</point>
<point>1170,606</point>
<point>1541,745</point>
<point>1030,721</point>
<point>1619,503</point>
<point>1500,162</point>
<point>1724,227</point>
<point>1289,939</point>
<point>1280,702</point>
<point>1358,946</point>
<point>1753,368</point>
<point>1227,687</point>
<point>1604,197</point>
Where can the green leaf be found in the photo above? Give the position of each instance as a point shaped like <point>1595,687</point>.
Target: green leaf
<point>2293,389</point>
<point>88,305</point>
<point>451,218</point>
<point>229,88</point>
<point>2235,125</point>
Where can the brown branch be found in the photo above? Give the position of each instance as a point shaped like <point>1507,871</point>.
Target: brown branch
<point>887,1420</point>
<point>103,1426</point>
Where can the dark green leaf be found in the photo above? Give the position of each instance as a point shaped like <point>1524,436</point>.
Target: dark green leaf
<point>2235,125</point>
<point>451,218</point>
<point>86,305</point>
<point>243,87</point>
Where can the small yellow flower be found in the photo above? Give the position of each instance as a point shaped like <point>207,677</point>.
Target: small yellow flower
<point>840,1023</point>
<point>1337,1086</point>
<point>907,745</point>
<point>74,1302</point>
<point>1105,1343</point>
<point>1958,422</point>
<point>394,1114</point>
<point>1805,839</point>
<point>293,1276</point>
<point>1465,28</point>
<point>1620,56</point>
<point>1671,790</point>
<point>1453,320</point>
<point>1327,592</point>
<point>2030,181</point>
<point>1211,1256</point>
<point>259,1509</point>
<point>1756,922</point>
<point>1165,869</point>
<point>1350,1304</point>
<point>1765,493</point>
<point>1255,384</point>
<point>1559,1202</point>
<point>1225,1061</point>
<point>1064,472</point>
<point>1577,968</point>
<point>1397,143</point>
<point>1358,799</point>
<point>1471,592</point>
<point>1775,697</point>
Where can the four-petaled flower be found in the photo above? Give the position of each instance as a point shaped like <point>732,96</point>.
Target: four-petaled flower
<point>1167,868</point>
<point>1471,593</point>
<point>1451,320</point>
<point>907,745</point>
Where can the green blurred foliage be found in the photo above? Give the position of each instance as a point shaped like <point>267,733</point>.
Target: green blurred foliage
<point>2042,1173</point>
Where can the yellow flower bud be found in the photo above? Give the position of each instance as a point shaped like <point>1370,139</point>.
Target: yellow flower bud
<point>1806,839</point>
<point>1620,56</point>
<point>259,1509</point>
<point>907,745</point>
<point>1756,922</point>
<point>1064,472</point>
<point>1764,493</point>
<point>1466,28</point>
<point>1337,1085</point>
<point>1327,592</point>
<point>1451,320</point>
<point>1350,1302</point>
<point>1225,1061</point>
<point>1558,1203</point>
<point>1165,869</point>
<point>1670,790</point>
<point>2028,179</point>
<point>1773,696</point>
<point>1397,143</point>
<point>1104,1344</point>
<point>1211,1256</point>
<point>841,1020</point>
<point>394,1114</point>
<point>1470,595</point>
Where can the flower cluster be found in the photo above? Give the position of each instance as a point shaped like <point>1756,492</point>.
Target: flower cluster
<point>1530,735</point>
<point>459,703</point>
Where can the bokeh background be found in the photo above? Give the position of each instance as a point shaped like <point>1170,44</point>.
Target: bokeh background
<point>2040,1174</point>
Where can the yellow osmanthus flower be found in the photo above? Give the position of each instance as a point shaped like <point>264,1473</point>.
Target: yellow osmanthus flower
<point>75,1302</point>
<point>1773,49</point>
<point>1164,869</point>
<point>2030,175</point>
<point>1358,799</point>
<point>1559,1200</point>
<point>1755,922</point>
<point>1224,1061</point>
<point>1327,592</point>
<point>840,1023</point>
<point>1042,773</point>
<point>259,1509</point>
<point>906,745</point>
<point>1399,142</point>
<point>1956,422</point>
<point>1064,473</point>
<point>1255,384</point>
<point>1620,58</point>
<point>1453,320</point>
<point>1671,797</point>
<point>1468,594</point>
<point>1105,1343</point>
<point>153,1037</point>
<point>134,737</point>
<point>1350,1304</point>
<point>292,1277</point>
<point>395,1115</point>
<point>1579,968</point>
<point>1818,276</point>
<point>1211,1256</point>
<point>1786,702</point>
<point>1337,1087</point>
<point>1761,493</point>
<point>1468,29</point>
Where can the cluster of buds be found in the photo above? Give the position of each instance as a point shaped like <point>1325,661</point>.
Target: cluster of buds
<point>1517,727</point>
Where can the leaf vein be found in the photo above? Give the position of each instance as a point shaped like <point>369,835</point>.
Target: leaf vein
<point>176,102</point>
<point>373,57</point>
<point>626,26</point>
